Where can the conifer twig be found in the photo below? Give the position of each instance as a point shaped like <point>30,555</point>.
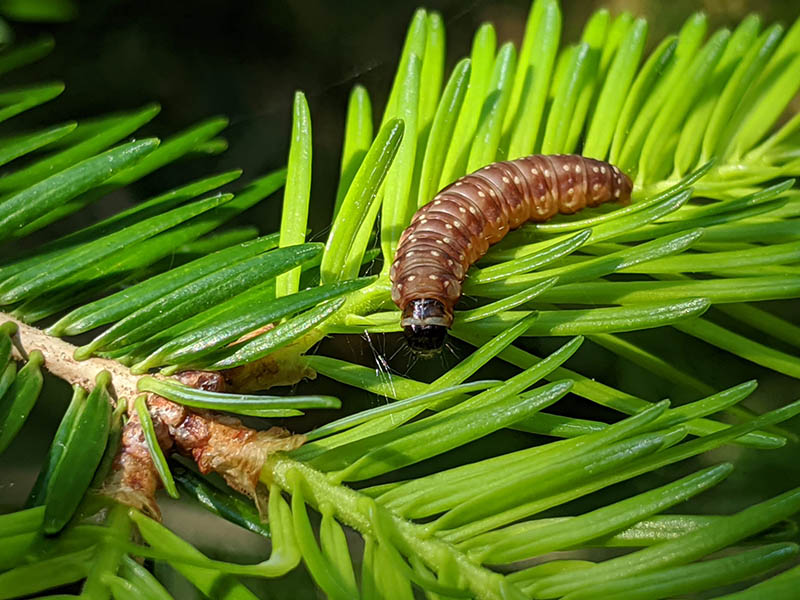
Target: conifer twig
<point>59,360</point>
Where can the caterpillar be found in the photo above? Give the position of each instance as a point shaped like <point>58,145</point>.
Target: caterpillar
<point>456,228</point>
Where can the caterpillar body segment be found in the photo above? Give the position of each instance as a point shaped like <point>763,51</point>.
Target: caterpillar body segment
<point>458,226</point>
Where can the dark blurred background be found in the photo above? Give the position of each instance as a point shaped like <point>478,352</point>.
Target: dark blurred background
<point>245,59</point>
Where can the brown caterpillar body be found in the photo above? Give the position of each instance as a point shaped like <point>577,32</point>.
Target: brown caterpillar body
<point>450,233</point>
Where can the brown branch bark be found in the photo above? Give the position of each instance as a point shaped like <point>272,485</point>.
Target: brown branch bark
<point>216,442</point>
<point>58,360</point>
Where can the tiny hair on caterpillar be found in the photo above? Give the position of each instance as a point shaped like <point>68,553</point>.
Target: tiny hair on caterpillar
<point>458,226</point>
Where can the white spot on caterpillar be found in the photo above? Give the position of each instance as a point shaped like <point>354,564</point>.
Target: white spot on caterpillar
<point>506,179</point>
<point>423,220</point>
<point>447,240</point>
<point>566,168</point>
<point>616,193</point>
<point>547,172</point>
<point>448,226</point>
<point>603,170</point>
<point>571,191</point>
<point>437,202</point>
<point>439,242</point>
<point>459,182</point>
<point>596,187</point>
<point>450,262</point>
<point>472,210</point>
<point>577,168</point>
<point>534,172</point>
<point>412,277</point>
<point>433,277</point>
<point>435,253</point>
<point>595,170</point>
<point>481,194</point>
<point>399,286</point>
<point>493,194</point>
<point>462,210</point>
<point>516,180</point>
<point>457,224</point>
<point>446,282</point>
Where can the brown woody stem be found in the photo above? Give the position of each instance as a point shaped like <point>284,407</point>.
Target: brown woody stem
<point>217,443</point>
<point>59,360</point>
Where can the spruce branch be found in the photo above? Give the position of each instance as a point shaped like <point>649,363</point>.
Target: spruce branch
<point>60,362</point>
<point>216,442</point>
<point>694,125</point>
<point>371,519</point>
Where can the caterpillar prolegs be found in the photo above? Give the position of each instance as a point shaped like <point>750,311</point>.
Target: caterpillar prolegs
<point>450,233</point>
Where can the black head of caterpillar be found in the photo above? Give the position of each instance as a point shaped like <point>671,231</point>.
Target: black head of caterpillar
<point>425,324</point>
<point>456,228</point>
